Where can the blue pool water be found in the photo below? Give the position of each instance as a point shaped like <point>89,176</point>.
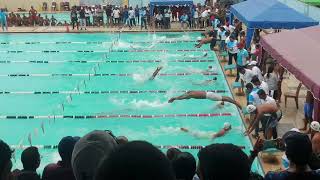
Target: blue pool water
<point>123,98</point>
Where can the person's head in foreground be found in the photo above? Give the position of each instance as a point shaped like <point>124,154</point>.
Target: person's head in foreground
<point>136,160</point>
<point>298,150</point>
<point>172,153</point>
<point>262,94</point>
<point>314,127</point>
<point>184,166</point>
<point>89,151</point>
<point>30,159</point>
<point>65,149</point>
<point>223,161</point>
<point>122,140</point>
<point>5,161</point>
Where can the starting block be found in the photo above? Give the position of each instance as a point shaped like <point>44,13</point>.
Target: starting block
<point>230,67</point>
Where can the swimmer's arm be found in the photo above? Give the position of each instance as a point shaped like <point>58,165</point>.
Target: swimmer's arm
<point>258,116</point>
<point>155,73</point>
<point>190,95</point>
<point>219,134</point>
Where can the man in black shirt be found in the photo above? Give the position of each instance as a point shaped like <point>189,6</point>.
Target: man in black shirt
<point>82,14</point>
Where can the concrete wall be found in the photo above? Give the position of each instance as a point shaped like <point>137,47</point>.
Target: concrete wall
<point>13,5</point>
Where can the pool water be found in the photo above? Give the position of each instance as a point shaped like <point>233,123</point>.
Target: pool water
<point>64,100</point>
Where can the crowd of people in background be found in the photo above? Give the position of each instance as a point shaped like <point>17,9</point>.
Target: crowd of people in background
<point>196,17</point>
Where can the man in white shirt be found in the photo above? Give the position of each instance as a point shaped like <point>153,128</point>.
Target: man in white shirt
<point>246,75</point>
<point>204,18</point>
<point>159,20</point>
<point>116,15</point>
<point>259,84</point>
<point>265,99</point>
<point>255,69</point>
<point>132,17</point>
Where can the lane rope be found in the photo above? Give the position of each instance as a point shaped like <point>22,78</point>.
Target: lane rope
<point>111,116</point>
<point>158,146</point>
<point>92,42</point>
<point>101,61</point>
<point>98,51</point>
<point>102,92</point>
<point>97,75</point>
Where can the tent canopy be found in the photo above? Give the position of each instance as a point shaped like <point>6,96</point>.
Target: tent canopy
<point>297,51</point>
<point>170,2</point>
<point>270,14</point>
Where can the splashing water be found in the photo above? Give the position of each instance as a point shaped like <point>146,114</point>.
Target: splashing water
<point>147,104</point>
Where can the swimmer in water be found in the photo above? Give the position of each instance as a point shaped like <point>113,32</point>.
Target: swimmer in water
<point>206,82</point>
<point>137,48</point>
<point>196,57</point>
<point>205,95</point>
<point>208,135</point>
<point>155,73</point>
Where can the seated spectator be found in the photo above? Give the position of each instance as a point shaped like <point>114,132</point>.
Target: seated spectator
<point>172,153</point>
<point>30,159</point>
<point>25,20</point>
<point>46,21</point>
<point>89,151</point>
<point>5,161</point>
<point>298,149</point>
<point>19,20</point>
<point>62,170</point>
<point>40,20</point>
<point>136,160</point>
<point>184,20</point>
<point>53,21</point>
<point>314,162</point>
<point>184,166</point>
<point>223,161</point>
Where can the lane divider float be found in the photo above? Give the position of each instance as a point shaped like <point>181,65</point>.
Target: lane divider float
<point>101,92</point>
<point>111,116</point>
<point>101,61</point>
<point>92,42</point>
<point>97,75</point>
<point>98,51</point>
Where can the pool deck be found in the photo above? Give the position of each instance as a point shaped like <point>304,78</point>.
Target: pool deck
<point>61,29</point>
<point>292,117</point>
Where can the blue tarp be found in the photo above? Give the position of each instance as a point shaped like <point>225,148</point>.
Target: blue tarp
<point>269,14</point>
<point>154,3</point>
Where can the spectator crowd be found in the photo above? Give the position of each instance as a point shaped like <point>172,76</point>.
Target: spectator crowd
<point>196,17</point>
<point>100,155</point>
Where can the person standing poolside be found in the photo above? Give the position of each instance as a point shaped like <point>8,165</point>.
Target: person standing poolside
<point>232,49</point>
<point>208,135</point>
<point>82,15</point>
<point>204,95</point>
<point>143,15</point>
<point>33,16</point>
<point>270,124</point>
<point>3,20</point>
<point>74,18</point>
<point>242,57</point>
<point>308,110</point>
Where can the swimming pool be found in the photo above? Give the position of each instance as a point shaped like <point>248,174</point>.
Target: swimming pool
<point>54,85</point>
